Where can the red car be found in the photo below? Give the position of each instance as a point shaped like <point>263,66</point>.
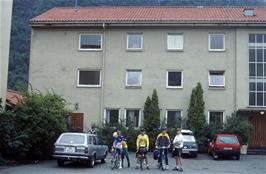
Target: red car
<point>224,145</point>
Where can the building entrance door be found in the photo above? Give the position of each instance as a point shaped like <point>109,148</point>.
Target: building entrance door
<point>76,122</point>
<point>258,136</point>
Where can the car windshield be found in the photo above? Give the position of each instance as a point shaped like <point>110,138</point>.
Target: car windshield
<point>227,140</point>
<point>72,139</point>
<point>189,138</point>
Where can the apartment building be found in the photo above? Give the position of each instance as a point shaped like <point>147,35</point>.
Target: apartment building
<point>105,61</point>
<point>5,26</point>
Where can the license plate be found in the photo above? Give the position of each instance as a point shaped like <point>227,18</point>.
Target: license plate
<point>70,149</point>
<point>184,151</point>
<point>228,148</point>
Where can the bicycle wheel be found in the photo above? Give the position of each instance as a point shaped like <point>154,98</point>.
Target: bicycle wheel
<point>141,162</point>
<point>163,162</point>
<point>116,161</point>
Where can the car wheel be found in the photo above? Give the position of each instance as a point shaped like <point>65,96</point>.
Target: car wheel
<point>91,162</point>
<point>215,157</point>
<point>194,155</point>
<point>238,157</point>
<point>103,160</point>
<point>60,163</point>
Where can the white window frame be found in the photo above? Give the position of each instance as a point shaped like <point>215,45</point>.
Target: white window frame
<point>175,49</point>
<point>174,87</point>
<point>178,110</point>
<point>89,86</point>
<point>209,111</point>
<point>91,49</point>
<point>139,70</point>
<point>140,115</point>
<point>223,49</point>
<point>104,115</point>
<point>136,49</point>
<point>213,86</point>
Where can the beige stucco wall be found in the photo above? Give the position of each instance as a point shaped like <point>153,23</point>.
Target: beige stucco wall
<point>5,26</point>
<point>55,58</point>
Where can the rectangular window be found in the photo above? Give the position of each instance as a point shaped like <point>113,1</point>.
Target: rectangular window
<point>216,42</point>
<point>216,79</point>
<point>173,119</point>
<point>133,117</point>
<point>89,78</point>
<point>175,41</point>
<point>133,78</point>
<point>257,69</point>
<point>216,118</point>
<point>112,116</point>
<point>90,42</point>
<point>134,41</point>
<point>174,79</point>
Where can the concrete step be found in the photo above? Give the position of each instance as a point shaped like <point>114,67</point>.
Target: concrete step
<point>259,151</point>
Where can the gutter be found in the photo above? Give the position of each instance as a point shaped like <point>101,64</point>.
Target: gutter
<point>144,24</point>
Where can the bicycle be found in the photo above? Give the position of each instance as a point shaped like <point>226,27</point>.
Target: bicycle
<point>114,160</point>
<point>142,151</point>
<point>162,163</point>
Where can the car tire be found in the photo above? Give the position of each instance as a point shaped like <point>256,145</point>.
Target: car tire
<point>60,163</point>
<point>103,160</point>
<point>238,157</point>
<point>215,157</point>
<point>91,162</point>
<point>194,155</point>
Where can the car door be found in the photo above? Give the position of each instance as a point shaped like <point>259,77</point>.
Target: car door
<point>96,147</point>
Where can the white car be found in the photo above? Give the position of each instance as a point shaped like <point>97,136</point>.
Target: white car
<point>190,145</point>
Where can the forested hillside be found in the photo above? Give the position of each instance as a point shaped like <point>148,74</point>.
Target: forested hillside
<point>23,10</point>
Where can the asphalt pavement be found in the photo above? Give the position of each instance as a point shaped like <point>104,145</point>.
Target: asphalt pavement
<point>248,164</point>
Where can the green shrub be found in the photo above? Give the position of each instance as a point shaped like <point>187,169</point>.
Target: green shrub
<point>236,124</point>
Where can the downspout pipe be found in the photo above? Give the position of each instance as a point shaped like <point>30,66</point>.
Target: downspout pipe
<point>103,76</point>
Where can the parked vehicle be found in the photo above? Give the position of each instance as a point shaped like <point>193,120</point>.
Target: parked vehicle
<point>190,146</point>
<point>224,145</point>
<point>81,147</point>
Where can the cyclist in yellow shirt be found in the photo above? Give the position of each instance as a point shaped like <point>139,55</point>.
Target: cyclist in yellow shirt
<point>142,145</point>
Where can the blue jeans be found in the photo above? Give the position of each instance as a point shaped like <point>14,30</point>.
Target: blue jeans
<point>165,155</point>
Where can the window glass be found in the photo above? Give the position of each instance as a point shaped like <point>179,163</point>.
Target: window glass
<point>89,77</point>
<point>227,140</point>
<point>134,41</point>
<point>259,86</point>
<point>252,98</point>
<point>252,38</point>
<point>252,69</point>
<point>112,116</point>
<point>72,139</point>
<point>91,41</point>
<point>174,79</point>
<point>251,55</point>
<point>259,55</point>
<point>216,41</point>
<point>216,119</point>
<point>132,118</point>
<point>259,69</point>
<point>174,41</point>
<point>133,78</point>
<point>259,38</point>
<point>216,78</point>
<point>252,86</point>
<point>173,119</point>
<point>259,99</point>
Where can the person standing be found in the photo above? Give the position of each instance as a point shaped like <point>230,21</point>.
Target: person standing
<point>118,146</point>
<point>178,145</point>
<point>142,145</point>
<point>163,144</point>
<point>93,130</point>
<point>125,153</point>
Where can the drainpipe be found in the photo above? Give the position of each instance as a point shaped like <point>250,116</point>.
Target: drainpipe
<point>103,76</point>
<point>235,96</point>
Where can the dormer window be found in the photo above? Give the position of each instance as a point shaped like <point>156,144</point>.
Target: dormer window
<point>248,12</point>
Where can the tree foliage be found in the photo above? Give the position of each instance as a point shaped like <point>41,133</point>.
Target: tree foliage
<point>152,116</point>
<point>196,117</point>
<point>235,124</point>
<point>34,125</point>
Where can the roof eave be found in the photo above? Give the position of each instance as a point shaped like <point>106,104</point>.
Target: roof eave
<point>144,23</point>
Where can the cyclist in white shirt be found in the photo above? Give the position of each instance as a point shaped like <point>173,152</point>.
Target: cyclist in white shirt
<point>178,145</point>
